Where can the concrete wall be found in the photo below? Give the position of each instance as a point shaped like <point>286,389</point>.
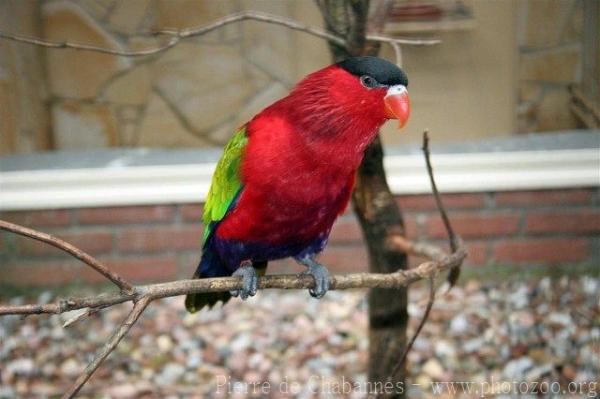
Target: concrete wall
<point>197,93</point>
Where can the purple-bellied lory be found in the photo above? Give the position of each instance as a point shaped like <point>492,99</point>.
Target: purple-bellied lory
<point>287,174</point>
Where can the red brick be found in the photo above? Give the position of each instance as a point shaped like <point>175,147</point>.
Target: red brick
<point>475,225</point>
<point>192,212</point>
<point>426,202</point>
<point>477,253</point>
<point>46,274</point>
<point>157,239</point>
<point>39,274</point>
<point>547,197</point>
<point>93,242</point>
<point>127,214</point>
<point>412,227</point>
<point>348,259</point>
<point>137,270</point>
<point>579,222</point>
<point>50,217</point>
<point>346,230</point>
<point>541,250</point>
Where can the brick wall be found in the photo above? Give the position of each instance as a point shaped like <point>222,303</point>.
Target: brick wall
<point>158,243</point>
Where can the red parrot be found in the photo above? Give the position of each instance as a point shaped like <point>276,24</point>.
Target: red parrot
<point>289,172</point>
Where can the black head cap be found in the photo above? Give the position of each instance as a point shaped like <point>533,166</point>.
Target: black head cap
<point>381,70</point>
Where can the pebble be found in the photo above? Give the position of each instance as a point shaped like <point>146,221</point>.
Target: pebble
<point>241,342</point>
<point>473,345</point>
<point>71,368</point>
<point>445,348</point>
<point>164,343</point>
<point>23,367</point>
<point>562,319</point>
<point>516,368</point>
<point>505,330</point>
<point>433,368</point>
<point>170,374</point>
<point>459,324</point>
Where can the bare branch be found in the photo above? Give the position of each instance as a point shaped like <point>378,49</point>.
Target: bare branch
<point>428,251</point>
<point>70,249</point>
<point>402,244</point>
<point>397,279</point>
<point>178,35</point>
<point>86,47</point>
<point>411,343</point>
<point>452,237</point>
<point>112,343</point>
<point>397,40</point>
<point>436,194</point>
<point>66,305</point>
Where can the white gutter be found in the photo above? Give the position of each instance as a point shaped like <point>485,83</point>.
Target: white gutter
<point>139,185</point>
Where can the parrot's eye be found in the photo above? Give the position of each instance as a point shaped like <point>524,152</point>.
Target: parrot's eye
<point>369,82</point>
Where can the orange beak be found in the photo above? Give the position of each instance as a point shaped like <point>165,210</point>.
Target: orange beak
<point>397,104</point>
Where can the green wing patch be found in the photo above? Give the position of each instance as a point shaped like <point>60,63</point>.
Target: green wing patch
<point>225,182</point>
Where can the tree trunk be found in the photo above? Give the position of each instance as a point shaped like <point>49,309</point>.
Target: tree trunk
<point>376,208</point>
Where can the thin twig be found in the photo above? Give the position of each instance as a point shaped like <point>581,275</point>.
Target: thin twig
<point>398,242</point>
<point>110,345</point>
<point>411,343</point>
<point>119,281</point>
<point>436,194</point>
<point>67,305</point>
<point>452,237</point>
<point>178,35</point>
<point>431,252</point>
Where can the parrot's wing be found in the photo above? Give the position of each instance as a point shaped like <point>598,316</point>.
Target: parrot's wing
<point>226,183</point>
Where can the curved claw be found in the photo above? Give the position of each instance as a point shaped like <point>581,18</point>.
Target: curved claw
<point>321,276</point>
<point>249,280</point>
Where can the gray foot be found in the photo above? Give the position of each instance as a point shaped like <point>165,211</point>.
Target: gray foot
<point>321,276</point>
<point>249,280</point>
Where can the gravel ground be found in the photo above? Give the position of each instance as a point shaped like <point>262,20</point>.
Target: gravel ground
<point>543,332</point>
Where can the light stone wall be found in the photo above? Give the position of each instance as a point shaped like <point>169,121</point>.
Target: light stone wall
<point>195,94</point>
<point>200,91</point>
<point>24,119</point>
<point>549,40</point>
